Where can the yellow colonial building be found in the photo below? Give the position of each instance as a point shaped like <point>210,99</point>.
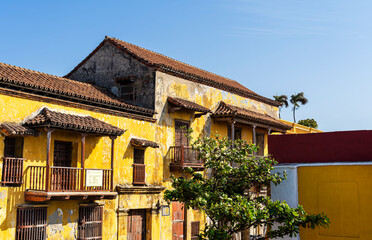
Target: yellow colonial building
<point>89,155</point>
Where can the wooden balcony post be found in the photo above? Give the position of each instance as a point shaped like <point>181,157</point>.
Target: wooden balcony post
<point>233,131</point>
<point>47,172</point>
<point>112,160</point>
<point>182,155</point>
<point>83,136</point>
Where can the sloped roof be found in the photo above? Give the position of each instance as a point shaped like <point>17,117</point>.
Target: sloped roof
<point>142,143</point>
<point>180,69</point>
<point>188,105</point>
<point>86,124</point>
<point>64,87</point>
<point>226,110</point>
<point>16,129</point>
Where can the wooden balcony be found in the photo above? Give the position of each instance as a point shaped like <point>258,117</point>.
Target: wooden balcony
<point>12,171</point>
<point>183,157</point>
<point>63,183</point>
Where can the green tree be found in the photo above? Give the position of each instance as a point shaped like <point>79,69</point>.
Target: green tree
<point>310,122</point>
<point>295,100</point>
<point>283,100</point>
<point>225,197</point>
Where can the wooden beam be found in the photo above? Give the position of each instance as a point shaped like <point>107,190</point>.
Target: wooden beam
<point>49,144</point>
<point>112,160</point>
<point>83,136</point>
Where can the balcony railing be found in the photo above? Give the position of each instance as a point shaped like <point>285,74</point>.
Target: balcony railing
<point>139,174</point>
<point>184,156</point>
<point>12,171</point>
<point>69,179</point>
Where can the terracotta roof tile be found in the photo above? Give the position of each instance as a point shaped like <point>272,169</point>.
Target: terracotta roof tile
<point>86,124</point>
<point>72,89</point>
<point>16,129</point>
<point>188,105</point>
<point>180,69</point>
<point>142,143</point>
<point>224,109</point>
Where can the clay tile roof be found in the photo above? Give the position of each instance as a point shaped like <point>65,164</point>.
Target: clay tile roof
<point>180,69</point>
<point>227,110</point>
<point>188,105</point>
<point>63,87</point>
<point>16,129</point>
<point>86,124</point>
<point>141,143</point>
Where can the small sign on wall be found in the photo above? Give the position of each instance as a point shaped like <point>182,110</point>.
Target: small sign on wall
<point>94,178</point>
<point>165,211</point>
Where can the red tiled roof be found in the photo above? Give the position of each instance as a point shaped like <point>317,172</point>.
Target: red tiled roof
<point>14,129</point>
<point>142,143</point>
<point>180,69</point>
<point>188,105</point>
<point>63,87</point>
<point>226,110</point>
<point>87,124</point>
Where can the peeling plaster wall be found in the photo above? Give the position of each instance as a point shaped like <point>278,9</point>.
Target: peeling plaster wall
<point>168,85</point>
<point>110,63</point>
<point>63,215</point>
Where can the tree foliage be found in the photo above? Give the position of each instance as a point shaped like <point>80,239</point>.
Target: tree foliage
<point>283,100</point>
<point>310,122</point>
<point>296,99</point>
<point>225,197</point>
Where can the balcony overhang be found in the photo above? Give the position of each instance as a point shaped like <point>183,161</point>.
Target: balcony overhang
<point>139,189</point>
<point>43,196</point>
<point>230,113</point>
<point>177,104</point>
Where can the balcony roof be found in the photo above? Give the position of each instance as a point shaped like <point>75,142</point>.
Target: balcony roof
<point>143,143</point>
<point>16,129</point>
<point>85,124</point>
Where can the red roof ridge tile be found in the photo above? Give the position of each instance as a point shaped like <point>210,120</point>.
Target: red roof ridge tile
<point>172,59</point>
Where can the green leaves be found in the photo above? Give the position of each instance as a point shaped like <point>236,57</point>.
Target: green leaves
<point>227,192</point>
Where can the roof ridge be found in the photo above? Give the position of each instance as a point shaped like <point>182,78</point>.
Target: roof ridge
<point>173,59</point>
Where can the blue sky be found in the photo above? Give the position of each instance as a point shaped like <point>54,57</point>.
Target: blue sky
<point>320,47</point>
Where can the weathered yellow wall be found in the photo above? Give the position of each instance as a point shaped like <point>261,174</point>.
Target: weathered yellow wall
<point>63,215</point>
<point>298,128</point>
<point>344,194</point>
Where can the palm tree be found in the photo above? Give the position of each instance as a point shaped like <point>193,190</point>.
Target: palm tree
<point>283,100</point>
<point>295,100</point>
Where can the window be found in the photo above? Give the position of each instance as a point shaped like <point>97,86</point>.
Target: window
<point>13,147</point>
<point>31,223</point>
<point>90,222</point>
<point>237,135</point>
<point>13,162</point>
<point>181,128</point>
<point>260,142</point>
<point>139,171</point>
<point>127,88</point>
<point>195,228</point>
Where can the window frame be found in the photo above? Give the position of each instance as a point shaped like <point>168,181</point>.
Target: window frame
<point>25,216</point>
<point>86,212</point>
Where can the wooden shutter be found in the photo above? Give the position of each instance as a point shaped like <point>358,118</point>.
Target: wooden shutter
<point>178,219</point>
<point>137,224</point>
<point>181,128</point>
<point>260,138</point>
<point>90,222</point>
<point>195,228</point>
<point>31,223</point>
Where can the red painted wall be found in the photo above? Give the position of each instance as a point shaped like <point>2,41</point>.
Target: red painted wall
<point>348,146</point>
